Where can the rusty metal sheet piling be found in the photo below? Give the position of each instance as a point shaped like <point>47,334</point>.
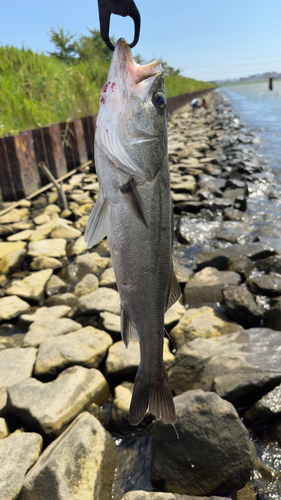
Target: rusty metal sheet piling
<point>8,190</point>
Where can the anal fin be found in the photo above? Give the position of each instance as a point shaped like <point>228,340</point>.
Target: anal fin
<point>175,292</point>
<point>98,222</point>
<point>128,330</point>
<point>135,199</point>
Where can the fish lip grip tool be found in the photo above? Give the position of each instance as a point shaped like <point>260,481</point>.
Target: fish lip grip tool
<point>122,8</point>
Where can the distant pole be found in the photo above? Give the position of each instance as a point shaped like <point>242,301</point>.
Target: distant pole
<point>270,84</point>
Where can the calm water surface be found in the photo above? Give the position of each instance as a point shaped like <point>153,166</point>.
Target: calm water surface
<point>260,110</point>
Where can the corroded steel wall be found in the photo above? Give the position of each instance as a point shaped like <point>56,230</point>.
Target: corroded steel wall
<point>62,146</point>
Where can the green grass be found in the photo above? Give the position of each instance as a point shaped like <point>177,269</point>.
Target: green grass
<point>37,90</point>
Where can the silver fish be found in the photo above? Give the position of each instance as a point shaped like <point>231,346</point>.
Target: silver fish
<point>134,210</point>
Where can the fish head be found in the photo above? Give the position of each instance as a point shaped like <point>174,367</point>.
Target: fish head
<point>132,117</point>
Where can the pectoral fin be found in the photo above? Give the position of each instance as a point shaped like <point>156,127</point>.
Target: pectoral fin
<point>135,199</point>
<point>128,330</point>
<point>98,222</point>
<point>175,292</point>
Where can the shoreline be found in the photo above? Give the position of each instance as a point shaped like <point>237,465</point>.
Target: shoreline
<point>64,327</point>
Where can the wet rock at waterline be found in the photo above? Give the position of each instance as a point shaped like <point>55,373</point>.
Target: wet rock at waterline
<point>240,367</point>
<point>79,464</point>
<point>50,407</point>
<point>206,286</point>
<point>18,453</point>
<point>241,306</point>
<point>208,428</point>
<point>267,408</point>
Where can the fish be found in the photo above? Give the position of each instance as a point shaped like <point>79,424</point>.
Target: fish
<point>134,210</point>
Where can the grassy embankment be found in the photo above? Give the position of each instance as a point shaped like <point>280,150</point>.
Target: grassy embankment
<point>38,90</point>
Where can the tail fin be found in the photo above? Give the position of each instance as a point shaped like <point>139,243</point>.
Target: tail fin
<point>157,394</point>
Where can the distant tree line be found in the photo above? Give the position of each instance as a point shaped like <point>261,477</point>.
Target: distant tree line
<point>86,48</point>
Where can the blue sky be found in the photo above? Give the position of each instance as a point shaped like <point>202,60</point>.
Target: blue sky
<point>206,39</point>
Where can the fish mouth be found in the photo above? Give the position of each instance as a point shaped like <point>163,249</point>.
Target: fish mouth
<point>138,72</point>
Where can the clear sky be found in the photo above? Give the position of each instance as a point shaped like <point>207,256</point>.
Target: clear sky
<point>206,39</point>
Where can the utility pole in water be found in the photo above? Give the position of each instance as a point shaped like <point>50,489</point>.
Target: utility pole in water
<point>270,83</point>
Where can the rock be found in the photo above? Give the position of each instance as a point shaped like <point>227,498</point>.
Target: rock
<point>120,409</point>
<point>241,306</point>
<point>270,264</point>
<point>102,248</point>
<point>39,331</point>
<point>46,314</point>
<point>6,248</point>
<point>273,317</point>
<point>3,401</point>
<point>43,262</point>
<point>11,307</point>
<point>147,495</point>
<point>174,314</point>
<point>243,266</point>
<point>103,299</point>
<point>206,286</point>
<point>82,265</point>
<point>233,365</point>
<point>32,287</point>
<point>88,284</point>
<point>41,219</point>
<point>4,432</point>
<point>86,347</point>
<point>98,413</point>
<point>208,427</point>
<point>194,231</point>
<point>47,247</point>
<point>12,262</point>
<point>15,365</point>
<point>111,323</point>
<point>266,409</point>
<point>43,231</point>
<point>204,322</point>
<point>50,407</point>
<point>268,284</point>
<point>65,299</point>
<point>78,247</point>
<point>52,209</point>
<point>15,215</point>
<point>79,464</point>
<point>221,258</point>
<point>21,235</point>
<point>18,453</point>
<point>122,362</point>
<point>108,279</point>
<point>63,230</point>
<point>55,285</point>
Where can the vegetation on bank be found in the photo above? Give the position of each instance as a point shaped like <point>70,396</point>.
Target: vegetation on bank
<point>37,89</point>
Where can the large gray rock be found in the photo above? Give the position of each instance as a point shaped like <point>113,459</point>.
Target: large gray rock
<point>50,407</point>
<point>203,322</point>
<point>147,495</point>
<point>241,306</point>
<point>241,367</point>
<point>32,287</point>
<point>206,286</point>
<point>122,362</point>
<point>16,365</point>
<point>273,317</point>
<point>267,408</point>
<point>18,453</point>
<point>80,464</point>
<point>103,299</point>
<point>268,284</point>
<point>222,258</point>
<point>39,331</point>
<point>11,307</point>
<point>86,347</point>
<point>200,461</point>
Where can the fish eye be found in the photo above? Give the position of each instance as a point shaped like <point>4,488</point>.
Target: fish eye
<point>159,100</point>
